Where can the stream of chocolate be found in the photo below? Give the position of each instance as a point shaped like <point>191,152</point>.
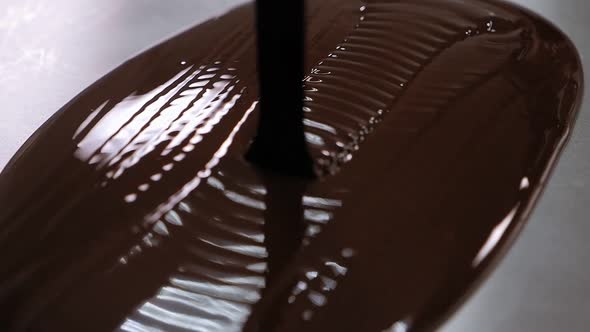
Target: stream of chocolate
<point>434,125</point>
<point>279,144</point>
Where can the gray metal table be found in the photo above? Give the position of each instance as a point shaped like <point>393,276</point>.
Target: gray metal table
<point>50,50</point>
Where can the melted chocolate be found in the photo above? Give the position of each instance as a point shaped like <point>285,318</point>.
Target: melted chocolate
<point>279,145</point>
<point>433,123</point>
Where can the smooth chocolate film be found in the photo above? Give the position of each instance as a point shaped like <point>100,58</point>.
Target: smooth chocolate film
<point>432,125</point>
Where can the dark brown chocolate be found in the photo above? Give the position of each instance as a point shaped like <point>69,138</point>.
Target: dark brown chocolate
<point>434,123</point>
<point>279,145</point>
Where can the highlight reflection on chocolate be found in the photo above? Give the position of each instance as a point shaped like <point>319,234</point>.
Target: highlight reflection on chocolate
<point>434,124</point>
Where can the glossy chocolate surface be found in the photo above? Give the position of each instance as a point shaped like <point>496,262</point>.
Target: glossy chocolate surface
<point>433,124</point>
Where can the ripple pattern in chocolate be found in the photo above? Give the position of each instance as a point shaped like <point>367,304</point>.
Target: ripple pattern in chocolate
<point>394,44</point>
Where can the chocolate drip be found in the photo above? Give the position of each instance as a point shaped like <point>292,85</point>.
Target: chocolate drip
<point>279,144</point>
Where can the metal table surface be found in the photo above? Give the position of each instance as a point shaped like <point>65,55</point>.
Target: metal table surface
<point>51,50</point>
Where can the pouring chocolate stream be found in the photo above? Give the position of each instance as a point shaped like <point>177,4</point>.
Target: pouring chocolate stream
<point>434,125</point>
